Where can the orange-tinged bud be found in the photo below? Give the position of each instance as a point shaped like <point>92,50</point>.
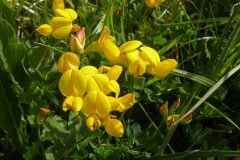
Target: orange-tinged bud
<point>77,42</point>
<point>164,109</point>
<point>44,111</point>
<point>68,61</point>
<point>171,119</point>
<point>41,116</point>
<point>44,30</point>
<point>187,119</point>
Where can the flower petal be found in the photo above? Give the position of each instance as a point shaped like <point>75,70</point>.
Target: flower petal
<point>89,103</point>
<point>112,73</point>
<point>130,46</point>
<point>44,30</point>
<point>102,105</point>
<point>65,85</point>
<point>137,68</point>
<point>62,32</point>
<point>110,51</point>
<point>93,122</point>
<point>79,83</point>
<point>164,68</point>
<point>114,127</point>
<point>150,55</point>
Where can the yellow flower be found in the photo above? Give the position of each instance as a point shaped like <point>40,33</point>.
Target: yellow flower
<point>61,27</point>
<point>137,68</point>
<point>77,42</point>
<point>66,13</point>
<point>150,56</point>
<point>114,127</point>
<point>44,30</point>
<point>96,102</point>
<point>57,4</point>
<point>105,44</point>
<point>72,103</point>
<point>153,3</point>
<point>123,103</point>
<point>163,68</point>
<point>130,46</point>
<point>73,83</point>
<point>93,122</point>
<point>110,50</point>
<point>68,61</point>
<point>112,73</point>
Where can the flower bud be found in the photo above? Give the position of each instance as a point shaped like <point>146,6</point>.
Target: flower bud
<point>164,109</point>
<point>77,42</point>
<point>68,61</point>
<point>171,119</point>
<point>61,27</point>
<point>44,30</point>
<point>41,116</point>
<point>187,119</point>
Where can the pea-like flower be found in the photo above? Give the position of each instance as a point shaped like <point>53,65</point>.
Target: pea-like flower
<point>93,122</point>
<point>73,83</point>
<point>72,103</point>
<point>45,30</point>
<point>114,127</point>
<point>96,102</point>
<point>106,45</point>
<point>68,61</point>
<point>163,68</point>
<point>153,3</point>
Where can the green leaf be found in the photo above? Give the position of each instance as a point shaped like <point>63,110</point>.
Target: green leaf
<point>33,152</point>
<point>12,53</point>
<point>169,45</point>
<point>11,114</point>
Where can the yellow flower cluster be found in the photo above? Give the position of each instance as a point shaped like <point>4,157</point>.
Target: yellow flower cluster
<point>88,90</point>
<point>139,59</point>
<point>60,25</point>
<point>95,91</point>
